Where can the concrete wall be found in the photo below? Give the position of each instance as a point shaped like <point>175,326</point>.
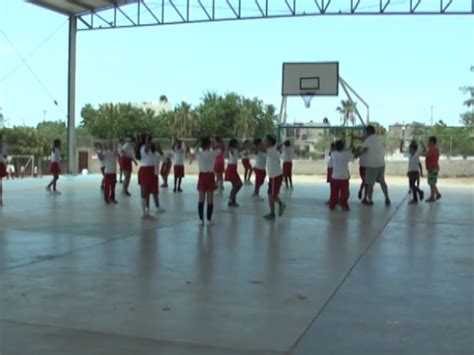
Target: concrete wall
<point>449,168</point>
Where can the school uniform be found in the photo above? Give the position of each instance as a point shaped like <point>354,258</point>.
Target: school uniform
<point>146,172</point>
<point>54,165</point>
<point>259,169</point>
<point>414,173</point>
<point>340,178</point>
<point>287,157</point>
<point>219,165</point>
<point>246,160</point>
<point>127,154</point>
<point>206,161</point>
<point>165,167</point>
<point>231,173</point>
<point>178,163</point>
<point>110,174</point>
<point>274,172</point>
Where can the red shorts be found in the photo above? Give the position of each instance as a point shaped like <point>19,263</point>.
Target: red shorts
<point>179,171</point>
<point>232,175</point>
<point>102,170</point>
<point>126,164</point>
<point>206,182</point>
<point>362,172</point>
<point>54,168</point>
<point>274,185</point>
<point>165,169</point>
<point>146,175</point>
<point>329,175</point>
<point>259,177</point>
<point>154,186</point>
<point>3,170</point>
<point>219,166</point>
<point>287,168</point>
<point>246,164</point>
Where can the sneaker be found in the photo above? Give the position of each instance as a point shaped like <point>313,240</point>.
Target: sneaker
<point>430,200</point>
<point>269,217</point>
<point>126,193</point>
<point>422,195</point>
<point>160,210</point>
<point>201,223</point>
<point>210,223</point>
<point>115,202</point>
<point>413,202</point>
<point>438,196</point>
<point>387,202</point>
<point>174,190</point>
<point>281,209</point>
<point>233,204</point>
<point>180,190</point>
<point>367,203</point>
<point>359,195</point>
<point>346,209</point>
<point>164,186</point>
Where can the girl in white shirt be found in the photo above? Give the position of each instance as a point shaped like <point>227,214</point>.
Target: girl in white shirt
<point>127,157</point>
<point>54,165</point>
<point>260,165</point>
<point>206,186</point>
<point>287,156</point>
<point>146,173</point>
<point>178,160</point>
<point>413,173</point>
<point>340,176</point>
<point>3,170</point>
<point>246,163</point>
<point>329,169</point>
<point>231,173</point>
<point>99,149</point>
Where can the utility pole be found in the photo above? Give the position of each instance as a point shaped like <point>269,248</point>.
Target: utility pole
<point>431,115</point>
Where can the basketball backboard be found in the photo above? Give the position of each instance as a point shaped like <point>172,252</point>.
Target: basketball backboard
<point>310,79</point>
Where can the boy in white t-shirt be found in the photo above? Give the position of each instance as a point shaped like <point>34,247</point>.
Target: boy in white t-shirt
<point>109,156</point>
<point>178,161</point>
<point>340,176</point>
<point>275,175</point>
<point>413,173</point>
<point>287,157</point>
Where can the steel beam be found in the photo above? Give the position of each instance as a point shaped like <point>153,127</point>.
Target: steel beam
<point>71,98</point>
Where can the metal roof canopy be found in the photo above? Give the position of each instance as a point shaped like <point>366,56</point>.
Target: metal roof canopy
<point>79,7</point>
<point>199,11</point>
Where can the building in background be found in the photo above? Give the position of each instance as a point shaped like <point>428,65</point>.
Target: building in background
<point>160,106</point>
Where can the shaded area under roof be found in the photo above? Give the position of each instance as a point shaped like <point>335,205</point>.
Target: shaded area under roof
<point>79,7</point>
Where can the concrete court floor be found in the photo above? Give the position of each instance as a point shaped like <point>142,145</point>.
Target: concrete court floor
<point>77,277</point>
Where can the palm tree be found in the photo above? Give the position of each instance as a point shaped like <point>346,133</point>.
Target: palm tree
<point>183,120</point>
<point>347,110</point>
<point>246,122</point>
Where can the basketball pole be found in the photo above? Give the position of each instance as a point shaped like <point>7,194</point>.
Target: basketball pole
<point>346,87</point>
<point>71,97</point>
<point>282,119</point>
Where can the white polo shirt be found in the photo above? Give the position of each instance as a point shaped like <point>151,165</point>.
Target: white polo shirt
<point>178,156</point>
<point>55,155</point>
<point>233,157</point>
<point>261,160</point>
<point>273,163</point>
<point>340,164</point>
<point>287,154</point>
<point>413,161</point>
<point>206,159</point>
<point>147,158</point>
<point>375,155</point>
<point>110,162</point>
<point>126,150</point>
<point>158,159</point>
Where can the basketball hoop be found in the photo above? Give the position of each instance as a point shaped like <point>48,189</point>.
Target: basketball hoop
<point>307,98</point>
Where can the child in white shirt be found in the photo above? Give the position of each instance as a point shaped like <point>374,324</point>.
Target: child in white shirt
<point>340,176</point>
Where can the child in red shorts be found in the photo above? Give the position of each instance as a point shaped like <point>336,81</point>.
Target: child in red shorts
<point>287,156</point>
<point>54,165</point>
<point>275,175</point>
<point>206,157</point>
<point>246,163</point>
<point>260,166</point>
<point>231,173</point>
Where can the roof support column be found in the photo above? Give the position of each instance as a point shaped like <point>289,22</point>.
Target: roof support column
<point>71,98</point>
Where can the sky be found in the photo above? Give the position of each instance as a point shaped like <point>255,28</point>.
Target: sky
<point>402,66</point>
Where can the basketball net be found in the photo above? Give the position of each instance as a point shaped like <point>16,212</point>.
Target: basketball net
<point>307,100</point>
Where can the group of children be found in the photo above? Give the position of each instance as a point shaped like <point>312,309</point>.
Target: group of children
<point>372,170</point>
<point>270,160</point>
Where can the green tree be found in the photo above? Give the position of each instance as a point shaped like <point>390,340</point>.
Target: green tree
<point>467,118</point>
<point>183,121</point>
<point>246,122</point>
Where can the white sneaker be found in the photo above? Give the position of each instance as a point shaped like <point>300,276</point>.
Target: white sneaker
<point>160,210</point>
<point>210,223</point>
<point>201,223</point>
